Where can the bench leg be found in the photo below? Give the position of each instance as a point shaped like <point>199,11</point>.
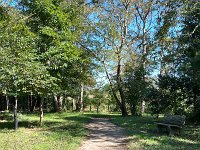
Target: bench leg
<point>181,131</point>
<point>171,132</point>
<point>159,129</point>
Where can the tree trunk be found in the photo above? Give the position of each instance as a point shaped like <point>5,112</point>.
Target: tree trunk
<point>133,107</point>
<point>56,103</point>
<point>28,98</point>
<point>81,98</point>
<point>119,84</point>
<point>41,111</point>
<point>90,107</point>
<point>60,102</point>
<point>31,103</point>
<point>15,114</point>
<point>74,104</point>
<point>64,106</point>
<point>97,109</point>
<point>124,110</point>
<point>144,45</point>
<point>35,104</point>
<point>7,103</point>
<point>143,107</point>
<point>112,87</point>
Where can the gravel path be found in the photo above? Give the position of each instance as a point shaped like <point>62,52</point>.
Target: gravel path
<point>104,135</point>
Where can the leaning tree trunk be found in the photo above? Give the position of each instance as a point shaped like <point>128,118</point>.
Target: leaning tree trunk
<point>124,110</point>
<point>119,84</point>
<point>112,87</point>
<point>41,111</point>
<point>15,114</point>
<point>119,65</point>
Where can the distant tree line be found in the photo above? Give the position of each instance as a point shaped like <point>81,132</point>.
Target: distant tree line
<point>52,51</point>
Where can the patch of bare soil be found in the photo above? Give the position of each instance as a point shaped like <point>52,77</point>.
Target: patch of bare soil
<point>104,135</point>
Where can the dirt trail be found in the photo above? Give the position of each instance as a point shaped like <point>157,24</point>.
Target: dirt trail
<point>104,135</point>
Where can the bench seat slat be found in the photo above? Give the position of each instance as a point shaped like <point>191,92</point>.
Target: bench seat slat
<point>164,124</point>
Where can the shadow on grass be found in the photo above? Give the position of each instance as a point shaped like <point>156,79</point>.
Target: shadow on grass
<point>77,119</point>
<point>6,125</point>
<point>24,124</point>
<point>73,126</point>
<point>63,126</point>
<point>143,134</point>
<point>67,123</point>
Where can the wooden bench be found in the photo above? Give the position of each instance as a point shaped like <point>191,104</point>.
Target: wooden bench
<point>172,123</point>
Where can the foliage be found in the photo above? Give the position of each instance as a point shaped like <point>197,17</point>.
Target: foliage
<point>20,70</point>
<point>168,96</point>
<point>55,23</point>
<point>190,42</point>
<point>136,88</point>
<point>178,83</point>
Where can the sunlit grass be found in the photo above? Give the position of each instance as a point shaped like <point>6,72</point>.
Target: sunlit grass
<point>62,131</point>
<point>65,131</point>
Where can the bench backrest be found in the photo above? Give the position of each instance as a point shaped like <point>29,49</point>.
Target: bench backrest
<point>175,120</point>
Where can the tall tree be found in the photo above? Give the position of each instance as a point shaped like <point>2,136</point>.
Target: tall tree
<point>179,37</point>
<point>20,70</point>
<point>57,25</point>
<point>119,30</point>
<point>190,41</point>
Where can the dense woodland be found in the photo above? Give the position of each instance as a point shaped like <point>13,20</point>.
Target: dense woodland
<point>132,56</point>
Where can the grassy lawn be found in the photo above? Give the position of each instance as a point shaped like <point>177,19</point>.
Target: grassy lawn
<point>143,136</point>
<point>62,131</point>
<point>65,131</point>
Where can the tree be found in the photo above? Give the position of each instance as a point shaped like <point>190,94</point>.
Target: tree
<point>118,31</point>
<point>20,70</point>
<point>190,42</point>
<point>57,25</point>
<point>178,35</point>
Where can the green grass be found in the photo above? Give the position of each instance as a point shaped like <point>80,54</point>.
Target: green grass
<point>143,136</point>
<point>65,131</point>
<point>62,131</point>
